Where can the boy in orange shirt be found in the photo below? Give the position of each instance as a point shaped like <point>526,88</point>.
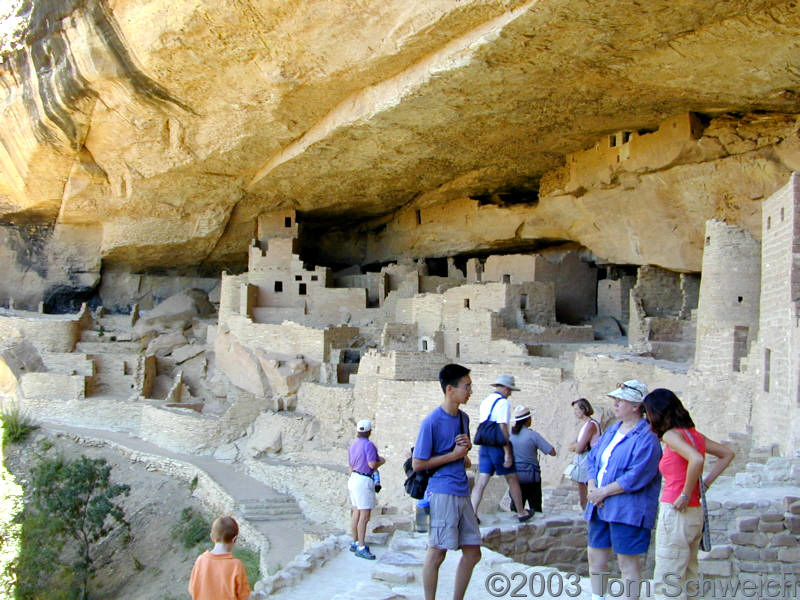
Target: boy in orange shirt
<point>217,575</point>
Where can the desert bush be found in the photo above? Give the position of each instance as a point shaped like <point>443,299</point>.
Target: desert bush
<point>17,425</point>
<point>192,529</point>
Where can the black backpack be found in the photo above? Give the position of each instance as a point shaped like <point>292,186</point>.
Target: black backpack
<point>417,481</point>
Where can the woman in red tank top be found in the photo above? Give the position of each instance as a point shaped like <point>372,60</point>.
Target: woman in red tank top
<point>680,517</point>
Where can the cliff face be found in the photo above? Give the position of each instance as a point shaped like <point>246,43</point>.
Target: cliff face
<point>148,134</point>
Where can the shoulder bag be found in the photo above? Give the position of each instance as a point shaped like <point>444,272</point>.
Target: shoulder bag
<point>705,537</point>
<point>489,432</point>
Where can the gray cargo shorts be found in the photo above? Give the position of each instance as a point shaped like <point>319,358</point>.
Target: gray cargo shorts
<point>453,523</point>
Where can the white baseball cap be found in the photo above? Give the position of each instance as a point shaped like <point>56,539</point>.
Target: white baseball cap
<point>632,390</point>
<point>364,425</point>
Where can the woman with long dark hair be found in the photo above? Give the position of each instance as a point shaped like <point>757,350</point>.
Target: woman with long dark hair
<point>680,519</point>
<point>588,436</point>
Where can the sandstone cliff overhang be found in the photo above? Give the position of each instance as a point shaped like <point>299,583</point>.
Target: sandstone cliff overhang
<point>161,130</point>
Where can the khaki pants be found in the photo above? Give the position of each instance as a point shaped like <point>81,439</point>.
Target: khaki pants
<point>677,541</point>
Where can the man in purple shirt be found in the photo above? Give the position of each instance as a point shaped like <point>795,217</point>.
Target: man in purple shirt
<point>442,446</point>
<point>364,459</point>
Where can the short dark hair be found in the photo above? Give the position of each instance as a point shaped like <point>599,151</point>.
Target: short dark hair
<point>584,405</point>
<point>665,411</point>
<point>451,374</point>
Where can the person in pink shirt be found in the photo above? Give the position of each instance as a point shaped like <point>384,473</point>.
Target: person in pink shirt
<point>217,575</point>
<point>680,516</point>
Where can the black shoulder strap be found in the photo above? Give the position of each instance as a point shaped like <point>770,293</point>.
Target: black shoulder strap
<point>496,400</point>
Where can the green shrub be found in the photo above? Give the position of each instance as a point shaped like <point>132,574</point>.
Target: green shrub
<point>72,508</point>
<point>192,529</point>
<point>251,563</point>
<point>17,425</point>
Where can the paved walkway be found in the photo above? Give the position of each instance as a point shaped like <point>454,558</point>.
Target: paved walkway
<point>285,537</point>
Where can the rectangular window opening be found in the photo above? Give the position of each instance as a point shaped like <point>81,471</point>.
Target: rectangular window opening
<point>278,286</point>
<point>314,278</point>
<point>287,222</point>
<point>506,278</point>
<point>298,278</point>
<point>419,217</point>
<point>612,140</point>
<point>523,301</point>
<point>301,289</point>
<point>466,302</point>
<point>767,360</point>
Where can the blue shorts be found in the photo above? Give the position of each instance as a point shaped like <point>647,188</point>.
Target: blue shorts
<point>622,538</point>
<point>490,461</point>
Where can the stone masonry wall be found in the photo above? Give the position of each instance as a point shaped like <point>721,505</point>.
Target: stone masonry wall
<point>729,295</point>
<point>557,541</point>
<point>773,362</point>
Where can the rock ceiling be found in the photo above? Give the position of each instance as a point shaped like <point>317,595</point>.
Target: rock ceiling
<point>157,131</point>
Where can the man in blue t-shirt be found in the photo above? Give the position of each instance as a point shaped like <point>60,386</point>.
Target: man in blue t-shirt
<point>442,445</point>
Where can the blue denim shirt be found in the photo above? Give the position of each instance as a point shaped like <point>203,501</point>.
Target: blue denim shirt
<point>633,464</point>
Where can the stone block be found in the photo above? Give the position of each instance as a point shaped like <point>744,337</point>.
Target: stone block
<point>754,567</point>
<point>771,527</point>
<point>784,539</point>
<point>772,517</point>
<point>713,505</point>
<point>567,555</point>
<point>792,523</point>
<point>747,479</point>
<point>576,540</point>
<point>396,557</point>
<point>750,539</point>
<point>715,568</point>
<point>747,524</point>
<point>789,555</point>
<point>788,501</point>
<point>769,554</point>
<point>747,553</point>
<point>554,522</point>
<point>743,505</point>
<point>542,543</point>
<point>717,552</point>
<point>794,508</point>
<point>392,574</point>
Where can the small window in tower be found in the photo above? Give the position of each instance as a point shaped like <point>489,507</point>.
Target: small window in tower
<point>708,240</point>
<point>781,214</point>
<point>301,289</point>
<point>466,302</point>
<point>424,345</point>
<point>298,278</point>
<point>458,349</point>
<point>314,278</point>
<point>287,222</point>
<point>278,286</point>
<point>626,136</point>
<point>769,222</point>
<point>523,301</point>
<point>739,299</point>
<point>506,278</point>
<point>419,217</point>
<point>612,140</point>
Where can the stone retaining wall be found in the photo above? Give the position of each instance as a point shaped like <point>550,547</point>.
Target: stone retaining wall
<point>557,541</point>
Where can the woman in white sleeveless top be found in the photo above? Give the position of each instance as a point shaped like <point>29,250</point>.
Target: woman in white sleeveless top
<point>588,436</point>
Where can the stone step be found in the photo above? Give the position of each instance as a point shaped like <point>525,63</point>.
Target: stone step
<point>108,347</point>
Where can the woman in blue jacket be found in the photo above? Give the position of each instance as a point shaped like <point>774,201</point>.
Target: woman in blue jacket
<point>623,491</point>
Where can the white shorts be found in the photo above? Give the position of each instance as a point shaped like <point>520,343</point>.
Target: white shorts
<point>362,491</point>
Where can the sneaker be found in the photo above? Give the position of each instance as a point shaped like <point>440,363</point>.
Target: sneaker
<point>525,517</point>
<point>353,546</point>
<point>365,553</point>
